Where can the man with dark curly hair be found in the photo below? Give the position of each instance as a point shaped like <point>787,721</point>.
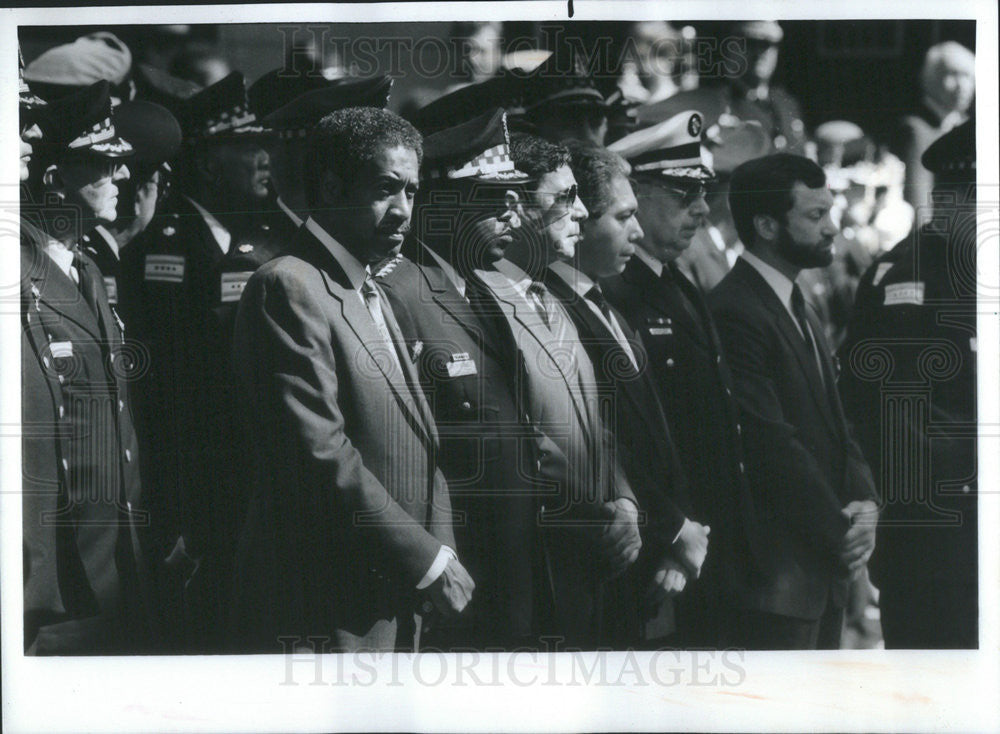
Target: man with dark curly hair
<point>350,525</point>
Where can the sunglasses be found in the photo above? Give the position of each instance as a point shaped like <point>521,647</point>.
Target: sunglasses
<point>563,199</point>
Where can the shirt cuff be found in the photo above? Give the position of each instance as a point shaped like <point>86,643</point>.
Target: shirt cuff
<point>444,555</point>
<point>676,537</point>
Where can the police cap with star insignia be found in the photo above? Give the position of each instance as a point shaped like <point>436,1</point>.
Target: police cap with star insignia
<point>81,124</point>
<point>672,148</point>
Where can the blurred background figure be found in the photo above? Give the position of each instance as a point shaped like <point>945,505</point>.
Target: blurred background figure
<point>948,88</point>
<point>562,101</point>
<point>662,64</point>
<point>70,67</point>
<point>201,63</point>
<point>480,49</point>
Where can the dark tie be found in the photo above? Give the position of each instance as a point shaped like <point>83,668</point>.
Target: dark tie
<point>596,296</point>
<point>799,309</point>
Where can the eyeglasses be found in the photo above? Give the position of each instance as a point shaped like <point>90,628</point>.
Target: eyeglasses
<point>565,198</point>
<point>687,194</point>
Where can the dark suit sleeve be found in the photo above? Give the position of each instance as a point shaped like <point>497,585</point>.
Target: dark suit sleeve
<point>285,328</point>
<point>787,479</point>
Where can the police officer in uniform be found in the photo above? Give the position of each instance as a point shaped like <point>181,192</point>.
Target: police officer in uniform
<point>669,169</point>
<point>467,209</point>
<point>908,381</point>
<point>180,265</point>
<point>156,137</point>
<point>83,568</point>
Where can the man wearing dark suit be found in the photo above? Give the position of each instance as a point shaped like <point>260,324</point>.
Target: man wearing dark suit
<point>466,211</point>
<point>672,544</point>
<point>349,523</point>
<point>668,312</point>
<point>813,494</point>
<point>83,569</point>
<point>587,512</point>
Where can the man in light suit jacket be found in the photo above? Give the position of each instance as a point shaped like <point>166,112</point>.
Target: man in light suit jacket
<point>586,510</point>
<point>812,490</point>
<point>349,531</point>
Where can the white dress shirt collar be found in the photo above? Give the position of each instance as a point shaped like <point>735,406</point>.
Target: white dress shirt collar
<point>356,271</point>
<point>651,262</point>
<point>62,256</point>
<point>517,277</point>
<point>777,280</point>
<point>220,233</point>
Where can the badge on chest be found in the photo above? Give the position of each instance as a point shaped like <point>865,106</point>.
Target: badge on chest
<point>461,364</point>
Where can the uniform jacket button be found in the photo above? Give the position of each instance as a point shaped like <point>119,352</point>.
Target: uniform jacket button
<point>466,405</point>
<point>670,361</point>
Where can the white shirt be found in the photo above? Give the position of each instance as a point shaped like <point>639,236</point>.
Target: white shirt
<point>519,279</point>
<point>581,284</point>
<point>220,233</point>
<point>357,273</point>
<point>779,282</point>
<point>62,256</point>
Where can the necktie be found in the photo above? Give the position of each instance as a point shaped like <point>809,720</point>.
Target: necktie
<point>799,309</point>
<point>596,296</point>
<point>543,302</point>
<point>373,302</point>
<point>85,282</point>
<point>670,279</point>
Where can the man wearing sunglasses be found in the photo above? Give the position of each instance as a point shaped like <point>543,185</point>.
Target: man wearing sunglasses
<point>586,513</point>
<point>669,170</point>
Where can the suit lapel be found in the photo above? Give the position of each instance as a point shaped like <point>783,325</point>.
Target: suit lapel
<point>55,289</point>
<point>356,316</point>
<point>790,332</point>
<point>524,314</point>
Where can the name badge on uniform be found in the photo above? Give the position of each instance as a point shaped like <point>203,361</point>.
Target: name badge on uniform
<point>111,286</point>
<point>231,285</point>
<point>61,350</point>
<point>899,294</point>
<point>165,268</point>
<point>659,326</point>
<point>461,364</point>
<point>880,272</point>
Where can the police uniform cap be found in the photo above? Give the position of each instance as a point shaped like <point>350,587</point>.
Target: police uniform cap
<point>167,90</point>
<point>469,101</point>
<point>477,150</point>
<point>278,87</point>
<point>151,129</point>
<point>562,80</point>
<point>27,99</point>
<point>64,69</point>
<point>304,111</point>
<point>672,148</point>
<point>221,112</point>
<point>767,31</point>
<point>954,153</point>
<point>81,123</point>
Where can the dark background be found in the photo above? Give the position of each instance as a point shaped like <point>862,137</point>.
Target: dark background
<point>865,71</point>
